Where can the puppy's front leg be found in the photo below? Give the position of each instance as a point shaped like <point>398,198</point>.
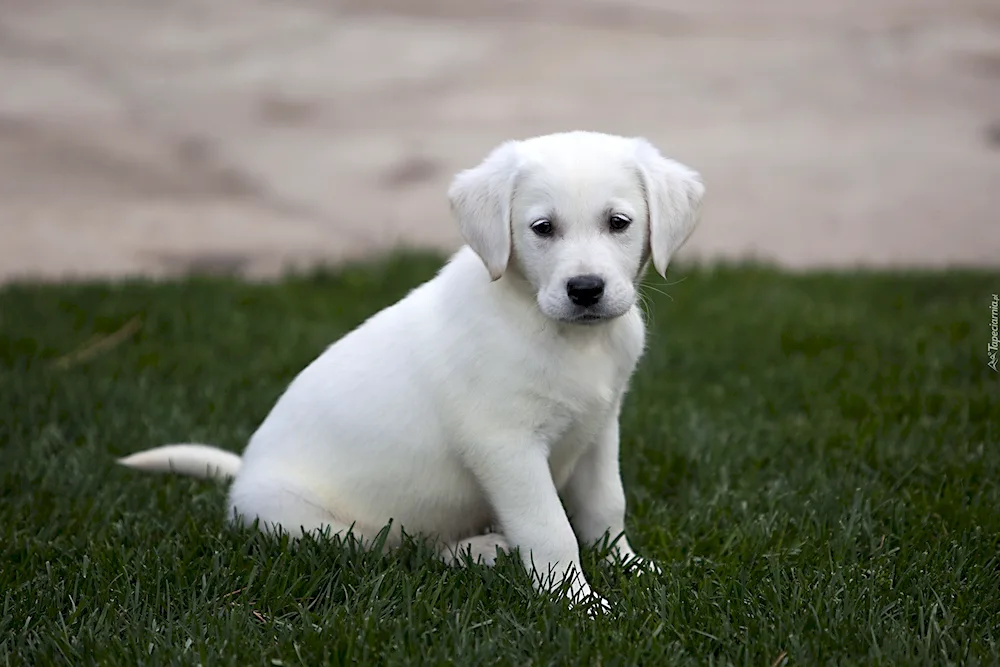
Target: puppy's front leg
<point>519,486</point>
<point>595,496</point>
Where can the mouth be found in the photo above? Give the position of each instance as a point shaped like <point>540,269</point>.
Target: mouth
<point>588,318</point>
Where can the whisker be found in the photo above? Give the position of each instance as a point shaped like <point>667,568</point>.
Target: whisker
<point>657,290</point>
<point>646,305</point>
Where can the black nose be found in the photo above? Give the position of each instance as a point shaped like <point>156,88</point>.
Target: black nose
<point>585,290</point>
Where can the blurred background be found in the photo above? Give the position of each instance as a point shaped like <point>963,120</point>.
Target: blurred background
<point>159,137</point>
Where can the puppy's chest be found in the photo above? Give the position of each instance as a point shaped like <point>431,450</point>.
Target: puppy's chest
<point>577,385</point>
<point>580,402</point>
<point>579,382</point>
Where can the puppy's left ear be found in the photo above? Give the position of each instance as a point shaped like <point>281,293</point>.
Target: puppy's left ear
<point>481,199</point>
<point>673,195</point>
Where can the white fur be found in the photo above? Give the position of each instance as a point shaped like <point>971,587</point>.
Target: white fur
<point>486,397</point>
<point>187,459</point>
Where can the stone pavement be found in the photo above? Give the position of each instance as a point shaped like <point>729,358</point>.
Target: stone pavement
<point>162,136</point>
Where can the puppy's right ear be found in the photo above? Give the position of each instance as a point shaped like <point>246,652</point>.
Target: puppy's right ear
<point>481,199</point>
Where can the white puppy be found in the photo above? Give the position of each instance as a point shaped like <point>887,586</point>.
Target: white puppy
<point>490,395</point>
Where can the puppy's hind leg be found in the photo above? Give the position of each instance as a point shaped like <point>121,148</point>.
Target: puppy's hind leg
<point>482,549</point>
<point>276,506</point>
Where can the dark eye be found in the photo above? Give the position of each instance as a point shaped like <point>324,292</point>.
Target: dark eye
<point>542,227</point>
<point>618,222</point>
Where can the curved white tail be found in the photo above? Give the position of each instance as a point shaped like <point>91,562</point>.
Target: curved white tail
<point>203,461</point>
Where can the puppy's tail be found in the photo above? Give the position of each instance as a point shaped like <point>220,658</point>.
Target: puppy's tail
<point>200,461</point>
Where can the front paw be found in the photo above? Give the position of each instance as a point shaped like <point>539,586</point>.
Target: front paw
<point>584,597</point>
<point>575,589</point>
<point>598,606</point>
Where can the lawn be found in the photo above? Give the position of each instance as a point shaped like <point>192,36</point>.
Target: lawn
<point>813,459</point>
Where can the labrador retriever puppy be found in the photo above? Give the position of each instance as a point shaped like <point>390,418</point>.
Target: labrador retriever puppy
<point>490,395</point>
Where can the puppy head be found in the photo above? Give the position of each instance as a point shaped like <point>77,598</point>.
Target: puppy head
<point>578,215</point>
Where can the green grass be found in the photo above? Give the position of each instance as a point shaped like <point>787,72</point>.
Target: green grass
<point>814,460</point>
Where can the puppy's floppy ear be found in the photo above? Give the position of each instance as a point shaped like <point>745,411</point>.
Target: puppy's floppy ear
<point>481,198</point>
<point>673,195</point>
